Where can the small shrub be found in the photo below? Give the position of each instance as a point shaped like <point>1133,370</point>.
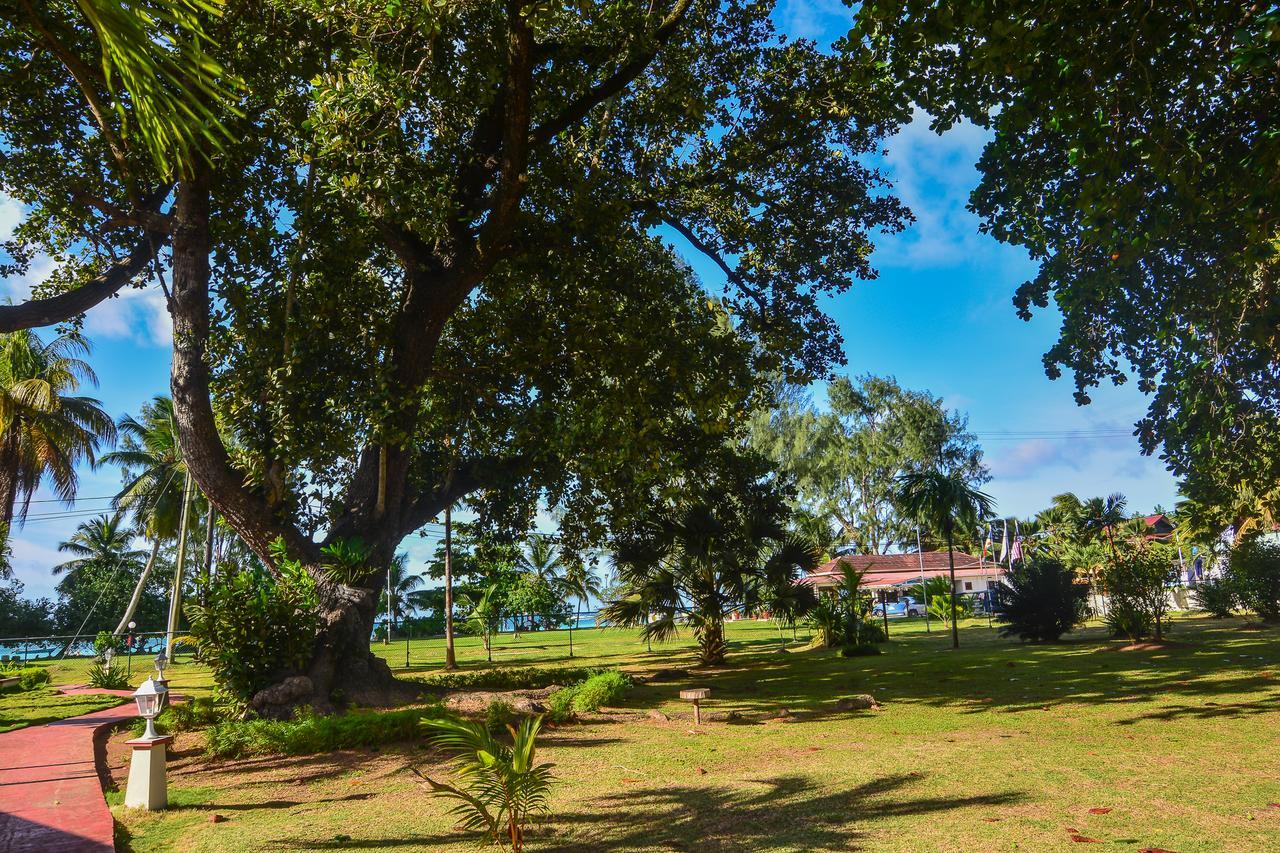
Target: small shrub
<point>106,641</point>
<point>198,713</point>
<point>1135,584</point>
<point>255,627</point>
<point>107,676</point>
<point>32,677</point>
<point>1040,600</point>
<point>1255,575</point>
<point>309,734</point>
<point>1216,596</point>
<point>600,690</point>
<point>499,714</point>
<point>855,650</point>
<point>525,678</point>
<point>606,688</point>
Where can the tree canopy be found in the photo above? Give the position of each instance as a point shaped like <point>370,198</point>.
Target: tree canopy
<point>1135,157</point>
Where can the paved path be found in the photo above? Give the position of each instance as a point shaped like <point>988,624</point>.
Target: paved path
<point>50,797</point>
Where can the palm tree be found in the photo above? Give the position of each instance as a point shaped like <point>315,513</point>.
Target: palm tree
<point>700,565</point>
<point>540,559</point>
<point>485,615</point>
<point>581,583</point>
<point>103,543</point>
<point>944,501</point>
<point>1102,515</point>
<point>156,479</point>
<point>45,430</point>
<point>401,585</point>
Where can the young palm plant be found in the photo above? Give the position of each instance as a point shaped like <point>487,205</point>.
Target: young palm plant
<point>699,566</point>
<point>501,788</point>
<point>581,583</point>
<point>946,502</point>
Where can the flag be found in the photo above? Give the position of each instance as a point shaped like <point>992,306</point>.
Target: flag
<point>1015,555</point>
<point>1004,541</point>
<point>988,546</point>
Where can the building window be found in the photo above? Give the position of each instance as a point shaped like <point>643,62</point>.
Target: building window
<point>968,585</point>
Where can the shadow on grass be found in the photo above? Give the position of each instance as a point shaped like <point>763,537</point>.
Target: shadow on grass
<point>989,673</point>
<point>784,811</point>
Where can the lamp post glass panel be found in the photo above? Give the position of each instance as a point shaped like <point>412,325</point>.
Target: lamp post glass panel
<point>150,698</point>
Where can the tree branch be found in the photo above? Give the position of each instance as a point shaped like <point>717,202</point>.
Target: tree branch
<point>64,306</point>
<point>580,107</point>
<point>710,252</point>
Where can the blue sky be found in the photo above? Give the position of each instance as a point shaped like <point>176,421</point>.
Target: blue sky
<point>939,317</point>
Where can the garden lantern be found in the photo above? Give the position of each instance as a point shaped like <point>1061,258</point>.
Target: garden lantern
<point>150,699</point>
<point>107,657</point>
<point>148,786</point>
<point>161,662</point>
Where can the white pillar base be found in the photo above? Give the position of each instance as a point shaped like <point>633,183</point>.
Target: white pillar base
<point>148,788</point>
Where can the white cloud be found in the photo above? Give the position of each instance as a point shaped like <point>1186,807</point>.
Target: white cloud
<point>933,175</point>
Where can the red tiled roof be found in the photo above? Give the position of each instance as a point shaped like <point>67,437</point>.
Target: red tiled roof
<point>886,569</point>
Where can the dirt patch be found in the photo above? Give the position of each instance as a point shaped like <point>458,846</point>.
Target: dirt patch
<point>1148,646</point>
<point>473,702</point>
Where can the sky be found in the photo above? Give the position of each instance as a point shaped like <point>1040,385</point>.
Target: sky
<point>939,318</point>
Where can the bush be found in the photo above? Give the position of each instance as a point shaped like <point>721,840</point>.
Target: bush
<point>1135,585</point>
<point>1040,600</point>
<point>1216,596</point>
<point>106,641</point>
<point>255,628</point>
<point>32,677</point>
<point>857,650</point>
<point>107,677</point>
<point>1255,576</point>
<point>604,688</point>
<point>198,713</point>
<point>499,714</point>
<point>526,678</point>
<point>309,734</point>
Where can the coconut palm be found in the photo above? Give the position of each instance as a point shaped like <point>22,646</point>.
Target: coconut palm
<point>581,583</point>
<point>701,564</point>
<point>102,542</point>
<point>540,559</point>
<point>947,502</point>
<point>401,584</point>
<point>102,545</point>
<point>155,482</point>
<point>45,429</point>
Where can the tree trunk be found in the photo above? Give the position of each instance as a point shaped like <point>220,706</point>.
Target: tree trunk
<point>711,644</point>
<point>137,590</point>
<point>450,661</point>
<point>951,561</point>
<point>8,480</point>
<point>175,595</point>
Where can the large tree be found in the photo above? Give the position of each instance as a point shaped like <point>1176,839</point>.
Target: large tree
<point>847,457</point>
<point>1136,156</point>
<point>432,262</point>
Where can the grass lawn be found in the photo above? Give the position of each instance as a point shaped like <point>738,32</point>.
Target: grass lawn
<point>997,746</point>
<point>19,709</point>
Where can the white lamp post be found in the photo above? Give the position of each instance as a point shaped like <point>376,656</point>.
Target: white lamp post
<point>148,788</point>
<point>161,662</point>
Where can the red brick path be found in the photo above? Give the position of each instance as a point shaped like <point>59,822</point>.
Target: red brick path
<point>50,797</point>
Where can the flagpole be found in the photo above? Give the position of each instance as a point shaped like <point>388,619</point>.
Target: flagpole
<point>924,592</point>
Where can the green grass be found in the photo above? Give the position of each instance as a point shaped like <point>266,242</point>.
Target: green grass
<point>997,746</point>
<point>38,707</point>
